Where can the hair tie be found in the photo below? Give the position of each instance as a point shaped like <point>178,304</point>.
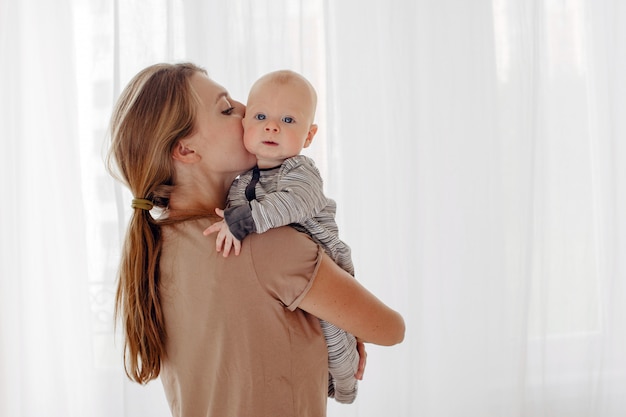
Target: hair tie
<point>142,203</point>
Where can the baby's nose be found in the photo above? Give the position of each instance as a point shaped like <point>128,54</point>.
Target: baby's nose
<point>271,127</point>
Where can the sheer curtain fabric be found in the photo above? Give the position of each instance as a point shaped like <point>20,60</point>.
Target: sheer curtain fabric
<point>475,153</point>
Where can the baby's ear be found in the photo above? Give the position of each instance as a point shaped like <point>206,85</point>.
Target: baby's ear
<point>310,135</point>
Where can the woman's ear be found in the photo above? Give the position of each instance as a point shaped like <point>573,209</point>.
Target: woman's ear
<point>310,135</point>
<point>183,152</point>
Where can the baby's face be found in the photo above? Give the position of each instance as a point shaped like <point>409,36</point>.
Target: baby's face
<point>278,121</point>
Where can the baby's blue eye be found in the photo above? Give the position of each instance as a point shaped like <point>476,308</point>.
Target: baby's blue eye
<point>288,119</point>
<point>260,116</point>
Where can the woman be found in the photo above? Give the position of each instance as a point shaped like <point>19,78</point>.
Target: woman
<point>233,336</point>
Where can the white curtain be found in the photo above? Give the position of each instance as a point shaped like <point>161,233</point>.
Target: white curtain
<point>475,149</point>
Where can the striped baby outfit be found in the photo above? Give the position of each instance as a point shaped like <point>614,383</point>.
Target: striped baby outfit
<point>292,194</point>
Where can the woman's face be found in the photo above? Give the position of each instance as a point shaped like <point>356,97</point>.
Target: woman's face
<point>218,137</point>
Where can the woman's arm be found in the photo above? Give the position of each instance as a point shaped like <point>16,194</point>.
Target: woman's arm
<point>335,296</point>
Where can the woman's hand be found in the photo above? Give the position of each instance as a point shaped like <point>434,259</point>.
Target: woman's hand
<point>360,347</point>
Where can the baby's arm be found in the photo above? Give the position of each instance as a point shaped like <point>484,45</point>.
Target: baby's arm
<point>299,196</point>
<point>225,240</point>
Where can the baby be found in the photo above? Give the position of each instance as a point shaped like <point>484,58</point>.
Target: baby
<point>286,188</point>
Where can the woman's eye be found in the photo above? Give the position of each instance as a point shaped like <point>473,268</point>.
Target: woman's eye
<point>288,119</point>
<point>260,116</point>
<point>228,111</point>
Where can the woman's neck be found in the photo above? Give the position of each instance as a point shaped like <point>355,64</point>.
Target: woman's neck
<point>191,198</point>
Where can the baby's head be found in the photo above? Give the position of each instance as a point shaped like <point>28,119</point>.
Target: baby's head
<point>279,117</point>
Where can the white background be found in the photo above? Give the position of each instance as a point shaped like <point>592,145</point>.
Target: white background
<point>475,150</point>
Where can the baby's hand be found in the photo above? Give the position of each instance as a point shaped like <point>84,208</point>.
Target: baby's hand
<point>225,240</point>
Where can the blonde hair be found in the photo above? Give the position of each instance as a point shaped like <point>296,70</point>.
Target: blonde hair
<point>155,111</point>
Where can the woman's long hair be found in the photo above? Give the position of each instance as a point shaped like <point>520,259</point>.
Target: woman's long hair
<point>155,110</point>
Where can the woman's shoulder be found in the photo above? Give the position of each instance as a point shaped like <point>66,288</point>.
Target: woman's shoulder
<point>276,243</point>
<point>286,262</point>
<point>188,228</point>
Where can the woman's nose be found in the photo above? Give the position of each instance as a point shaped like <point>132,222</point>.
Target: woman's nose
<point>240,109</point>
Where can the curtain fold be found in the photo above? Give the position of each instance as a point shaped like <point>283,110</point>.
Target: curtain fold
<point>44,314</point>
<point>475,153</point>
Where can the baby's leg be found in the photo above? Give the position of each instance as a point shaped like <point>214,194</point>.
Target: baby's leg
<point>343,362</point>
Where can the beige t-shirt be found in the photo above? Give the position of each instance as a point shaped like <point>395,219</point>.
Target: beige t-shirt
<point>237,345</point>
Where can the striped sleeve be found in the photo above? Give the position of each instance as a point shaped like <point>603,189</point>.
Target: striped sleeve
<point>299,196</point>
